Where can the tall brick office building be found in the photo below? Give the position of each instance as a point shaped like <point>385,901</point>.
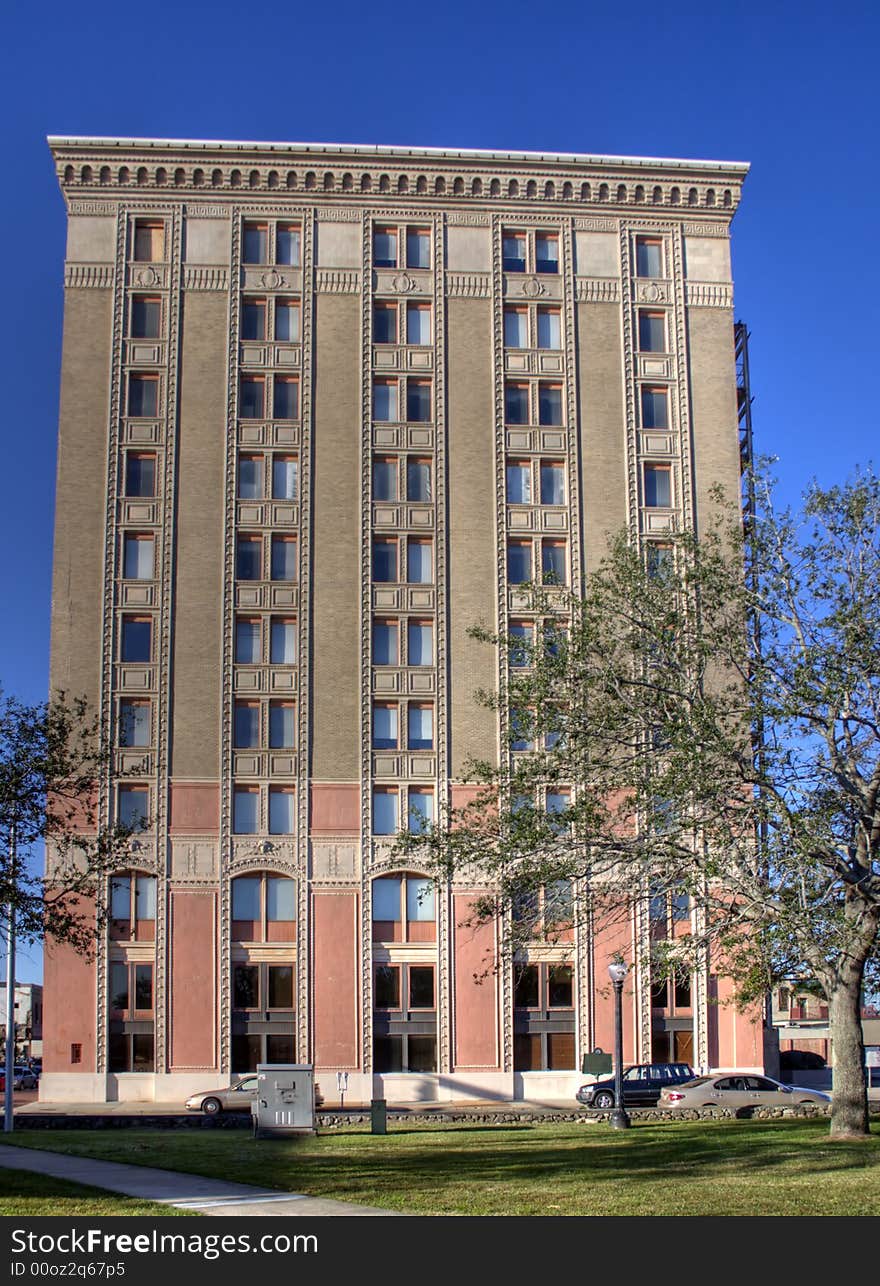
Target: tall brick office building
<point>322,409</point>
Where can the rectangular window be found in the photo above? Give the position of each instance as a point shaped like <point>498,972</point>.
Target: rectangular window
<point>285,399</point>
<point>134,723</point>
<point>519,483</point>
<point>549,328</point>
<point>253,319</point>
<point>659,559</point>
<point>282,642</point>
<point>386,987</point>
<point>280,811</point>
<point>287,321</point>
<point>246,896</point>
<point>552,483</point>
<point>522,637</point>
<point>652,332</point>
<point>516,403</point>
<point>519,562</point>
<point>149,241</point>
<point>245,812</point>
<point>385,248</point>
<point>280,986</point>
<point>245,980</point>
<point>513,252</point>
<point>418,401</point>
<point>255,243</point>
<point>558,801</point>
<point>421,986</point>
<point>384,727</point>
<point>384,400</point>
<point>250,477</point>
<point>137,637</point>
<point>549,404</point>
<point>526,987</point>
<point>246,725</point>
<point>280,899</point>
<point>418,480</point>
<point>252,400</point>
<point>421,810</point>
<point>655,412</point>
<point>681,989</point>
<point>249,558</point>
<point>384,561</point>
<point>385,479</point>
<point>418,324</point>
<point>137,558</point>
<point>420,643</point>
<point>385,324</point>
<point>384,816</point>
<point>649,257</point>
<point>145,897</point>
<point>143,395</point>
<point>420,728</point>
<point>385,643</point>
<point>282,725</point>
<point>284,477</point>
<point>386,898</point>
<point>516,328</point>
<point>287,245</point>
<point>120,898</point>
<point>420,900</point>
<point>419,562</point>
<point>521,730</point>
<point>560,991</point>
<point>658,486</point>
<point>119,984</point>
<point>546,252</point>
<point>283,558</point>
<point>140,474</point>
<point>143,986</point>
<point>146,317</point>
<point>133,807</point>
<point>247,642</point>
<point>418,248</point>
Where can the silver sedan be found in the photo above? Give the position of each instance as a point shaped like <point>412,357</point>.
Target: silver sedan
<point>737,1091</point>
<point>234,1098</point>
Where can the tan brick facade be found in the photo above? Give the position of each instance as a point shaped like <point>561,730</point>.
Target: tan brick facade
<point>319,405</point>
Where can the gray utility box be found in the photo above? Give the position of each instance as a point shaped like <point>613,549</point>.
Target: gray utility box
<point>285,1102</point>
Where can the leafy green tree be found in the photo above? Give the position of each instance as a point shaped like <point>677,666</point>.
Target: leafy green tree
<point>714,712</point>
<point>51,759</point>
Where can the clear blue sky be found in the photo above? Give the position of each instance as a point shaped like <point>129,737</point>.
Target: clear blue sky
<point>790,87</point>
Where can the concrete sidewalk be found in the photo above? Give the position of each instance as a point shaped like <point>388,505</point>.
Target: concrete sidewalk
<point>169,1187</point>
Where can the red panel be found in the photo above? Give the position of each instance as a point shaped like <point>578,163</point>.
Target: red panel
<point>477,1044</point>
<point>195,807</point>
<point>336,809</point>
<point>69,1005</point>
<point>614,936</point>
<point>193,979</point>
<point>336,979</point>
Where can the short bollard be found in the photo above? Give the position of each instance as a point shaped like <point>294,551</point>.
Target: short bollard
<point>378,1116</point>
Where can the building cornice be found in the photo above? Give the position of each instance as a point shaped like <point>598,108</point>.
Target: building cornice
<point>456,179</point>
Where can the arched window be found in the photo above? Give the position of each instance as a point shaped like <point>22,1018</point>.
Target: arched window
<point>263,908</point>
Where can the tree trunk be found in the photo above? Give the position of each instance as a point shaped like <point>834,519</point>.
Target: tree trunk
<point>849,1107</point>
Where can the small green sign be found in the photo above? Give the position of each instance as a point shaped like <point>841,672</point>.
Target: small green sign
<point>596,1064</point>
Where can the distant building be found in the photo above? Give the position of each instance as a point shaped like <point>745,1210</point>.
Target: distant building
<point>28,1019</point>
<point>322,410</point>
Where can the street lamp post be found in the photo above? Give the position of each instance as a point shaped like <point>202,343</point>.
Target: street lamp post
<point>617,971</point>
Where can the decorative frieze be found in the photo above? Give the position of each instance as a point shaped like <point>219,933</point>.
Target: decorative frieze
<point>207,211</point>
<point>196,277</point>
<point>460,219</point>
<point>468,285</point>
<point>337,281</point>
<point>93,207</point>
<point>597,290</point>
<point>709,294</point>
<point>89,276</point>
<point>595,225</point>
<point>705,229</point>
<point>335,214</point>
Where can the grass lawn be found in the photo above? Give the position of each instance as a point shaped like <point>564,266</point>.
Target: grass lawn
<point>26,1194</point>
<point>684,1168</point>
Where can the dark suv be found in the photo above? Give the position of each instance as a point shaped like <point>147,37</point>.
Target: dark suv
<point>641,1085</point>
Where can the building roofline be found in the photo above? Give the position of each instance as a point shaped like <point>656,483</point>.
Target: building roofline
<point>369,149</point>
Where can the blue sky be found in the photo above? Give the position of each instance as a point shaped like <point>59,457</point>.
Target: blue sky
<point>790,87</point>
